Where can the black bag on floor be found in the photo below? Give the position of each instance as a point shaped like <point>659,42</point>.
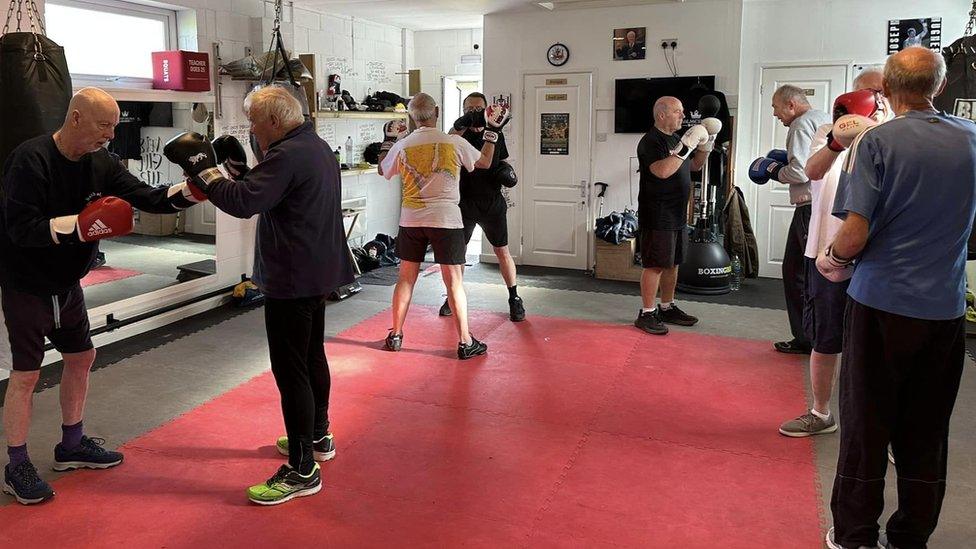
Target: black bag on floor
<point>35,86</point>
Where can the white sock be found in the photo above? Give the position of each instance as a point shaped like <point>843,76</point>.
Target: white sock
<point>824,417</point>
<point>646,310</point>
<point>667,305</point>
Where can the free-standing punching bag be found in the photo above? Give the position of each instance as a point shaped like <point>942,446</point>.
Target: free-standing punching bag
<point>35,86</point>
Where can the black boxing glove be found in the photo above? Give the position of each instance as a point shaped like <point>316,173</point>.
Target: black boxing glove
<point>471,119</point>
<point>192,152</point>
<point>230,153</point>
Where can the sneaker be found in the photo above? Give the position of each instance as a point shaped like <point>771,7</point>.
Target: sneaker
<point>650,323</point>
<point>792,347</point>
<point>472,350</point>
<point>322,450</point>
<point>445,309</point>
<point>24,485</point>
<point>285,485</point>
<point>674,315</point>
<point>807,425</point>
<point>88,455</point>
<point>831,544</point>
<point>393,341</point>
<point>516,309</point>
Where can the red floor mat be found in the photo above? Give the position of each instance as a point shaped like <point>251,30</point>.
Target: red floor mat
<point>568,434</point>
<point>102,275</point>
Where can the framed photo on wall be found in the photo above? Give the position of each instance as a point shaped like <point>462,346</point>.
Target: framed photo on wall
<point>629,44</point>
<point>904,33</point>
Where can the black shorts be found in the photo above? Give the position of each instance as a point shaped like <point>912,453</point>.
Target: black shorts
<point>29,318</point>
<point>489,212</point>
<point>662,249</point>
<point>823,310</point>
<point>448,244</point>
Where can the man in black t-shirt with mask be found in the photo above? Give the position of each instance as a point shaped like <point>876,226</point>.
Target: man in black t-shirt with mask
<point>666,163</point>
<point>482,202</point>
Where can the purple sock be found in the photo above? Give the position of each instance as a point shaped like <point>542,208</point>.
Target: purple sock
<point>71,435</point>
<point>18,455</point>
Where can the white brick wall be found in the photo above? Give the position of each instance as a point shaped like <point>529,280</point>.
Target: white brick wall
<point>438,54</point>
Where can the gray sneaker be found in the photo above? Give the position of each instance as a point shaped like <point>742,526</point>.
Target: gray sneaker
<point>807,425</point>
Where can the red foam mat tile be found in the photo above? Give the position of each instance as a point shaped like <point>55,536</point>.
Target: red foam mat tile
<point>567,434</point>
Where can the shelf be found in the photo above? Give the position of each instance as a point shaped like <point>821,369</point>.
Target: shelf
<point>359,171</point>
<point>157,96</point>
<point>375,115</point>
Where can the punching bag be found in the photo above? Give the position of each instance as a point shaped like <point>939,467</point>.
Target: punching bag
<point>35,86</point>
<point>959,96</point>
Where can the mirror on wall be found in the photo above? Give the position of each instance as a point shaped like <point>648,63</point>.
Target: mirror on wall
<point>163,249</point>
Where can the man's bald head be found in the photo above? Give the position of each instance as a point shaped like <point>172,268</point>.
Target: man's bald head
<point>668,114</point>
<point>90,123</point>
<point>664,104</point>
<point>92,102</point>
<point>914,73</point>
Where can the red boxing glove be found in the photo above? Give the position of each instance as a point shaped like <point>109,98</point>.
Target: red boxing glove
<point>103,218</point>
<point>862,102</point>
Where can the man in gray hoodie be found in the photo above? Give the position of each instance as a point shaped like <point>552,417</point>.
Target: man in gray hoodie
<point>791,107</point>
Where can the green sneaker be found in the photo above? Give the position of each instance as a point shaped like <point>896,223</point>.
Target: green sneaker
<point>286,485</point>
<point>322,450</point>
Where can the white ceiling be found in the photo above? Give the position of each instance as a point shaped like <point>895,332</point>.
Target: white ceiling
<point>449,14</point>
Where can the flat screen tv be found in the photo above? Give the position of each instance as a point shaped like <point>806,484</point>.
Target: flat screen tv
<point>635,97</point>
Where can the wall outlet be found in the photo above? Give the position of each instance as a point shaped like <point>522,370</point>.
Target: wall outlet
<point>666,43</point>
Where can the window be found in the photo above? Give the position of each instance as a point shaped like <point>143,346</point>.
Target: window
<point>108,38</point>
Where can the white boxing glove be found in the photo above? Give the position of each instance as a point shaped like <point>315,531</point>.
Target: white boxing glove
<point>848,127</point>
<point>496,116</point>
<point>695,136</point>
<point>713,125</point>
<point>833,268</point>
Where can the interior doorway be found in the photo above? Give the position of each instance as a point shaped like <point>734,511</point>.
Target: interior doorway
<point>453,91</point>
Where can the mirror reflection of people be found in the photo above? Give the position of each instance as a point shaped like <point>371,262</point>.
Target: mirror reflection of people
<point>61,194</point>
<point>631,47</point>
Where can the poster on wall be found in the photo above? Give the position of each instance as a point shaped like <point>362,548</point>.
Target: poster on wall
<point>629,44</point>
<point>904,33</point>
<point>555,133</point>
<point>502,99</point>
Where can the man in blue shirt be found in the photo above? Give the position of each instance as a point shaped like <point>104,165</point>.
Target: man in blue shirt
<point>907,196</point>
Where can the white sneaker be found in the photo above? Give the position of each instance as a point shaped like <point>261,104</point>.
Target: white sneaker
<point>831,544</point>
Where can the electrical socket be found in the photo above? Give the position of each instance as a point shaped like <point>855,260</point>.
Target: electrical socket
<point>666,43</point>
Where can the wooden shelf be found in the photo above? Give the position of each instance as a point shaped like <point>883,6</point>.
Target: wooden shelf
<point>359,171</point>
<point>158,96</point>
<point>374,115</point>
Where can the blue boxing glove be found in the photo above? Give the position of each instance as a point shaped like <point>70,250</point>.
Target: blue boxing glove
<point>763,169</point>
<point>778,155</point>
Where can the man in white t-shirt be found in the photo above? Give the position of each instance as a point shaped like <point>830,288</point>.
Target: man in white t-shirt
<point>429,163</point>
<point>824,301</point>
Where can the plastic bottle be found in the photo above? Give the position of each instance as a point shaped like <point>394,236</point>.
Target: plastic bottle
<point>735,282</point>
<point>348,151</point>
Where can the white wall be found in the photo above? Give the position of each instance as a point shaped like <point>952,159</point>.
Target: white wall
<point>846,31</point>
<point>708,37</point>
<point>438,54</point>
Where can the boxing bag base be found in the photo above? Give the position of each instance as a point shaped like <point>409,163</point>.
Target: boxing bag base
<point>706,269</point>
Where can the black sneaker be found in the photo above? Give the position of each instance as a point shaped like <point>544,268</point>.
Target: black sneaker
<point>516,309</point>
<point>476,348</point>
<point>445,309</point>
<point>674,315</point>
<point>792,347</point>
<point>24,485</point>
<point>394,341</point>
<point>650,323</point>
<point>88,455</point>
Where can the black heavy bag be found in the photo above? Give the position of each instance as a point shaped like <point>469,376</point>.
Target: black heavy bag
<point>959,96</point>
<point>35,88</point>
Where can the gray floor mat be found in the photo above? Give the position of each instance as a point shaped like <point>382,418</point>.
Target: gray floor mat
<point>191,243</point>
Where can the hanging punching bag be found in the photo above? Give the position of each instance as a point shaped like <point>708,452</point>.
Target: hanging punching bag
<point>35,86</point>
<point>959,96</point>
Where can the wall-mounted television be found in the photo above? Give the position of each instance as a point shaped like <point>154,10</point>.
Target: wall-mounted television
<point>634,99</point>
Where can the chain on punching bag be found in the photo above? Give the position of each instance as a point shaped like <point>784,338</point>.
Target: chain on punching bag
<point>35,86</point>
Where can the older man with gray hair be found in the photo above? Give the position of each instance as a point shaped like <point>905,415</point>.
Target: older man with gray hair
<point>299,259</point>
<point>907,196</point>
<point>791,107</point>
<point>429,163</point>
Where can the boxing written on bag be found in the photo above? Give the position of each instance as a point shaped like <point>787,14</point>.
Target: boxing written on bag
<point>35,85</point>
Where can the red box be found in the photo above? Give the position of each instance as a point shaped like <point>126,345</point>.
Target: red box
<point>181,70</point>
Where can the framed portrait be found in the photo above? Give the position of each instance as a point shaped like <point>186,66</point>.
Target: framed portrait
<point>629,44</point>
<point>903,33</point>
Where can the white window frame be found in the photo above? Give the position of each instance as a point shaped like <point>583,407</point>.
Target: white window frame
<point>167,16</point>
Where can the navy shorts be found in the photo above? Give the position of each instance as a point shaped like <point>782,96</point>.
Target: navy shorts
<point>662,249</point>
<point>823,310</point>
<point>29,318</point>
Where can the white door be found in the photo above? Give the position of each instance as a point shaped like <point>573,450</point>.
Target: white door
<point>450,102</point>
<point>774,212</point>
<point>557,126</point>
